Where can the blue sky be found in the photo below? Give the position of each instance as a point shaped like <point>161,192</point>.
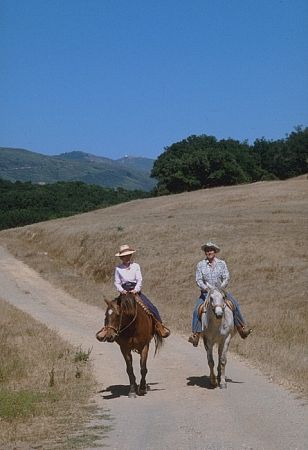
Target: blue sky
<point>116,77</point>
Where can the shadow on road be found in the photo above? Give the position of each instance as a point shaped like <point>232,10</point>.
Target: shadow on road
<point>121,390</point>
<point>205,382</point>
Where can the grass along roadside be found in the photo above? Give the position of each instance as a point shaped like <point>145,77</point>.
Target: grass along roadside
<point>260,228</point>
<point>45,387</point>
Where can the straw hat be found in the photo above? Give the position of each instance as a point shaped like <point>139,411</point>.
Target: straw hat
<point>125,250</point>
<point>210,245</point>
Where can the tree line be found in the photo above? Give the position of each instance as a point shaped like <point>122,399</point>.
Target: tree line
<point>194,163</point>
<point>203,161</point>
<point>23,203</point>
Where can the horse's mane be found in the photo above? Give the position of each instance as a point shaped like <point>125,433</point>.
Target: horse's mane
<point>127,303</point>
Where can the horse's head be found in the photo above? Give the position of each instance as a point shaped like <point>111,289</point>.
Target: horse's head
<point>117,317</point>
<point>112,322</point>
<point>217,303</point>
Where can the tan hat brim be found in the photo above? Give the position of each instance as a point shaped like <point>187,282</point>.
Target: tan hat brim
<point>127,252</point>
<point>204,247</point>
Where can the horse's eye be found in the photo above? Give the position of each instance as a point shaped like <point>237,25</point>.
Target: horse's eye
<point>109,312</point>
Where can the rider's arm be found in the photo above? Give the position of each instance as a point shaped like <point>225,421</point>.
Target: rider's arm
<point>199,277</point>
<point>138,279</point>
<point>225,276</point>
<point>117,281</point>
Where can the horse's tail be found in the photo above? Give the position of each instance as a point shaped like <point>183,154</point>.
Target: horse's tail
<point>158,342</point>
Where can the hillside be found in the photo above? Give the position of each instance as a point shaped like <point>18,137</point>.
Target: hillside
<point>139,163</point>
<point>24,165</point>
<point>260,228</point>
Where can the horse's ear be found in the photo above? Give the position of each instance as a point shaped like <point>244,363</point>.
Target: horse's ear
<point>224,292</point>
<point>108,302</point>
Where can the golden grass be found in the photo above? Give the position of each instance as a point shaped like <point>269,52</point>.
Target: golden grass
<point>45,385</point>
<point>260,227</point>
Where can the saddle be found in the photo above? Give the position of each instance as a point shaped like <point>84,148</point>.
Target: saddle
<point>203,308</point>
<point>159,327</point>
<point>230,304</point>
<point>140,302</point>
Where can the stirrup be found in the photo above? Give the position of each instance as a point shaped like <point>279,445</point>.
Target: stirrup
<point>244,331</point>
<point>162,330</point>
<point>194,339</point>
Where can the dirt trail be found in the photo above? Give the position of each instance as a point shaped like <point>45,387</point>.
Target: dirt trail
<point>180,411</point>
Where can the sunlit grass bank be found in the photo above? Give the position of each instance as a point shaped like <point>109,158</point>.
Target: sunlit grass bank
<point>46,385</point>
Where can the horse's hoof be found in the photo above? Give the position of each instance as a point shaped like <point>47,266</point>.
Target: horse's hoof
<point>223,386</point>
<point>214,383</point>
<point>132,395</point>
<point>142,391</point>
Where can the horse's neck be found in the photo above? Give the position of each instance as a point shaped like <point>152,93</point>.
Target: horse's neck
<point>210,315</point>
<point>128,307</point>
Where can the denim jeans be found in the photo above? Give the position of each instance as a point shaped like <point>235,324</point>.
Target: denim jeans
<point>196,323</point>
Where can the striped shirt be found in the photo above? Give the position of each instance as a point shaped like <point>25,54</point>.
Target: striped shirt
<point>131,273</point>
<point>215,273</point>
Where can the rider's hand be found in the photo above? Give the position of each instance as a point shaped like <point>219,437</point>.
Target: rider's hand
<point>124,292</point>
<point>133,291</point>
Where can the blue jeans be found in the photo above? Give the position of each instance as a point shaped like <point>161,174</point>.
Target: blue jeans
<point>196,323</point>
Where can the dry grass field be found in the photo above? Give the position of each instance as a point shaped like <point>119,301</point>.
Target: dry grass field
<point>45,389</point>
<point>261,228</point>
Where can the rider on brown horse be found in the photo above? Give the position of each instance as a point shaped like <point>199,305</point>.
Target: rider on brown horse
<point>128,278</point>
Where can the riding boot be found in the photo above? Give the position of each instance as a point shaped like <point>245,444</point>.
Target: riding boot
<point>243,331</point>
<point>194,339</point>
<point>162,330</point>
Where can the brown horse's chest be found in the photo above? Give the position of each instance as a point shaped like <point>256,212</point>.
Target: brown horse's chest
<point>133,343</point>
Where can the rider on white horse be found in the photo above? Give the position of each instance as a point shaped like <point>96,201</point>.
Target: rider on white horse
<point>213,272</point>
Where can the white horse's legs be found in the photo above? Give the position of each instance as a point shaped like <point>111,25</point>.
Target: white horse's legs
<point>210,360</point>
<point>222,361</point>
<point>218,331</point>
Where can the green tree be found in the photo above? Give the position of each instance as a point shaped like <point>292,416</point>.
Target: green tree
<point>26,203</point>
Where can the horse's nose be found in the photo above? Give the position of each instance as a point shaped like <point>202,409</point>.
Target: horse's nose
<point>218,312</point>
<point>101,335</point>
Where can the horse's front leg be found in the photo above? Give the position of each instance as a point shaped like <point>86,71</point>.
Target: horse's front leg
<point>222,361</point>
<point>143,369</point>
<point>130,372</point>
<point>209,350</point>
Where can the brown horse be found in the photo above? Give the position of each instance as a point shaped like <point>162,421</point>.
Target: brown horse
<point>128,324</point>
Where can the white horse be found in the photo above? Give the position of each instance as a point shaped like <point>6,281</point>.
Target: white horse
<point>218,328</point>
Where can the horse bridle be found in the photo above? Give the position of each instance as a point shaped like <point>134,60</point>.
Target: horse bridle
<point>214,306</point>
<point>119,330</point>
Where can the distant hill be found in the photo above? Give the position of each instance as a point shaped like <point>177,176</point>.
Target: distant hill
<point>128,172</point>
<point>139,163</point>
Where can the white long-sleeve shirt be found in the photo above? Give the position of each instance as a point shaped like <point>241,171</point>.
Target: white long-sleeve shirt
<point>130,273</point>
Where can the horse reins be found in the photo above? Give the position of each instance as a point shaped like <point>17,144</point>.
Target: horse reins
<point>119,331</point>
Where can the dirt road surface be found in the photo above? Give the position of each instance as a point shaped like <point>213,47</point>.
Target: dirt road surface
<point>180,411</point>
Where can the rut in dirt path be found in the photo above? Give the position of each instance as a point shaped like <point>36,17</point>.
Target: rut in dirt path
<point>181,410</point>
